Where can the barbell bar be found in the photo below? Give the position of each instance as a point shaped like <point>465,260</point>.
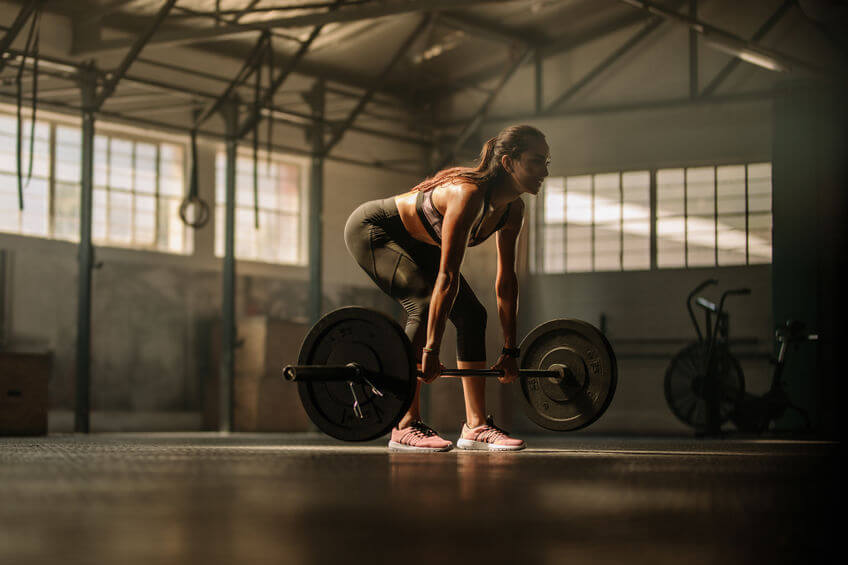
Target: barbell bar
<point>352,371</point>
<point>357,374</point>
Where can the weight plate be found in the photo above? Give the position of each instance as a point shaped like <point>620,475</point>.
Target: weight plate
<point>684,384</point>
<point>378,343</point>
<point>577,401</point>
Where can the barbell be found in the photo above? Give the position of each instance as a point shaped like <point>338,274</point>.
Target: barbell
<point>357,373</point>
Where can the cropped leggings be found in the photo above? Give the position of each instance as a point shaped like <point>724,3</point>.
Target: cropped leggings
<point>406,269</point>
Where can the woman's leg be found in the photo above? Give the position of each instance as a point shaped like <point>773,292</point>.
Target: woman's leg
<point>474,389</point>
<point>469,317</point>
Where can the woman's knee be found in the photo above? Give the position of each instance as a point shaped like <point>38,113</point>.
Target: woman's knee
<point>470,315</point>
<point>470,324</point>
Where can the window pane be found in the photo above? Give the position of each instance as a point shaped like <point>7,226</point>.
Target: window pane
<point>68,155</point>
<point>759,187</point>
<point>66,209</point>
<point>171,170</point>
<point>120,164</point>
<point>144,224</point>
<point>120,216</point>
<point>759,238</point>
<point>554,248</point>
<point>554,194</point>
<point>219,231</point>
<point>578,255</point>
<point>701,238</point>
<point>670,192</point>
<point>9,216</point>
<point>637,246</point>
<point>289,187</point>
<point>34,220</point>
<point>245,234</point>
<point>98,224</point>
<point>145,168</point>
<point>700,192</point>
<point>578,200</point>
<point>279,197</point>
<point>101,161</point>
<point>670,242</point>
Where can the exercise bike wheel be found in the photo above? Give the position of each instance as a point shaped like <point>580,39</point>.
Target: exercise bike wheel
<point>684,384</point>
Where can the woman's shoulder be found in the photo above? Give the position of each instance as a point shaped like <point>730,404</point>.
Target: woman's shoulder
<point>463,191</point>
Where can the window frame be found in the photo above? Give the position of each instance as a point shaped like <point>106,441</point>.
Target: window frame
<point>110,130</point>
<point>537,215</point>
<point>303,165</point>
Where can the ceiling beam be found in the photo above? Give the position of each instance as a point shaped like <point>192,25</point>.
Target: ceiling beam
<point>20,20</point>
<point>604,65</point>
<point>351,14</point>
<point>115,77</point>
<point>718,36</point>
<point>251,62</point>
<point>776,16</point>
<point>547,49</point>
<point>377,84</point>
<point>488,30</point>
<point>291,64</point>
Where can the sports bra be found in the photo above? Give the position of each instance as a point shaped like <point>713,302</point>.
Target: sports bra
<point>432,218</point>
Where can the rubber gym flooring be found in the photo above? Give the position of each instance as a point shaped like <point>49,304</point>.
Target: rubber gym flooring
<point>207,498</point>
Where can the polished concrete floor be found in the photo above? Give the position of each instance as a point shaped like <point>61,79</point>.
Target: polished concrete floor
<point>211,498</point>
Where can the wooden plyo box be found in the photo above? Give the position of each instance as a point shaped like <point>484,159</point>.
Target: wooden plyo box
<point>23,393</point>
<point>262,400</point>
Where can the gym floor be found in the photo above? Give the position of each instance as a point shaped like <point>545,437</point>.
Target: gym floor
<point>304,498</point>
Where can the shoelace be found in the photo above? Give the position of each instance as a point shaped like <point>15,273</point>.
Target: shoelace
<point>491,432</point>
<point>421,430</point>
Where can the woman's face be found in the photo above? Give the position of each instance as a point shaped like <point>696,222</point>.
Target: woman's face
<point>531,168</point>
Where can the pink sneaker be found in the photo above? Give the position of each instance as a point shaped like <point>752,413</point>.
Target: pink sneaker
<point>488,437</point>
<point>418,437</point>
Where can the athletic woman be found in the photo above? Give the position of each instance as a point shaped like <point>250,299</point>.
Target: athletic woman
<point>412,246</point>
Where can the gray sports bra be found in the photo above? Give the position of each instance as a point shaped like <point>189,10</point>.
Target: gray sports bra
<point>432,218</point>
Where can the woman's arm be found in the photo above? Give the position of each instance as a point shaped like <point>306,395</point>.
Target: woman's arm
<point>464,203</point>
<point>506,285</point>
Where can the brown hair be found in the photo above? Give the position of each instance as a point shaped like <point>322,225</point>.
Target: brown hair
<point>512,141</point>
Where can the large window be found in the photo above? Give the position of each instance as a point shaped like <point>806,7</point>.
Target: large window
<point>268,223</point>
<point>708,216</point>
<point>138,187</point>
<point>702,216</point>
<point>594,223</point>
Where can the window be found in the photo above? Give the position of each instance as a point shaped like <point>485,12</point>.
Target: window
<point>703,216</point>
<point>594,223</point>
<point>278,237</point>
<point>138,187</point>
<point>709,216</point>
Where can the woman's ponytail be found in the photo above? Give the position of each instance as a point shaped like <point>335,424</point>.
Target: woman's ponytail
<point>486,154</point>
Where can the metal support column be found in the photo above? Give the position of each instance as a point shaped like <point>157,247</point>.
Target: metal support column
<point>317,100</point>
<point>226,379</point>
<point>693,53</point>
<point>88,87</point>
<point>539,64</point>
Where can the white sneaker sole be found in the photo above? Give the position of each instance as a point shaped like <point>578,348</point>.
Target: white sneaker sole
<point>395,446</point>
<point>483,446</point>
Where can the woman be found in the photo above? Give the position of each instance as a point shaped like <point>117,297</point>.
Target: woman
<point>412,246</point>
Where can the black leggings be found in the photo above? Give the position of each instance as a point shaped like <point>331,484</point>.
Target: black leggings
<point>406,269</point>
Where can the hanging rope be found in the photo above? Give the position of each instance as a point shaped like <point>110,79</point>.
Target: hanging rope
<point>271,112</point>
<point>257,87</point>
<point>201,217</point>
<point>31,46</point>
